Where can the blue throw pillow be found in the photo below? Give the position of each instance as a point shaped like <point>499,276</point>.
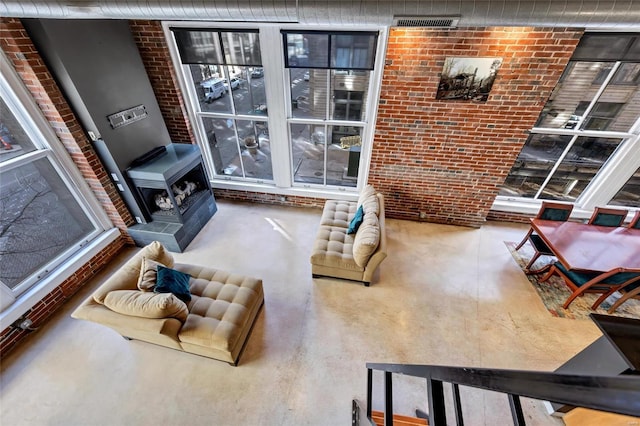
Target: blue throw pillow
<point>172,281</point>
<point>356,221</point>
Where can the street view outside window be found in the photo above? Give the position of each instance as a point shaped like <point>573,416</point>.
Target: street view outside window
<point>41,220</point>
<point>599,92</point>
<point>329,75</point>
<point>225,70</point>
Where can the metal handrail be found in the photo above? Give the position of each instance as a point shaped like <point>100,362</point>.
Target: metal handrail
<point>617,394</point>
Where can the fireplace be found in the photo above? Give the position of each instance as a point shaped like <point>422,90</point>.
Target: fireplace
<point>174,194</point>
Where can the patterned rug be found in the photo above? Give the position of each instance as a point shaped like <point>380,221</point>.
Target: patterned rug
<point>554,292</point>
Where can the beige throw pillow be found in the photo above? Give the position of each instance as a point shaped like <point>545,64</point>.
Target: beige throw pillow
<point>126,278</point>
<point>366,240</point>
<point>367,191</point>
<point>369,200</point>
<point>148,274</point>
<point>146,305</point>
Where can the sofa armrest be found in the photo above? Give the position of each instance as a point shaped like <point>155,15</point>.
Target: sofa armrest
<point>381,251</point>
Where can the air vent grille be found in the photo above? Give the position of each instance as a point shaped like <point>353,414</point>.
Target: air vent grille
<point>415,21</point>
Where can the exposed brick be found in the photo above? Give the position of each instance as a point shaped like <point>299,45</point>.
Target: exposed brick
<point>449,160</point>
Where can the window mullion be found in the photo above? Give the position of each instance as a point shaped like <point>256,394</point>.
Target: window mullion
<point>273,62</point>
<point>599,93</point>
<point>555,166</point>
<point>613,175</point>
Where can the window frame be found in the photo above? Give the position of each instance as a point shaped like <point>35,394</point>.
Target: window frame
<point>614,173</point>
<point>15,302</point>
<point>276,88</point>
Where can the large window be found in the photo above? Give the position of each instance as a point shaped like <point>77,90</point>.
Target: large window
<point>329,75</point>
<point>286,110</point>
<point>45,218</point>
<point>585,146</point>
<point>225,75</point>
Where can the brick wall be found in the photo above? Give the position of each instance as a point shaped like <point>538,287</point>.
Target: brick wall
<point>446,159</point>
<point>509,217</point>
<point>155,55</point>
<point>258,197</point>
<point>21,52</point>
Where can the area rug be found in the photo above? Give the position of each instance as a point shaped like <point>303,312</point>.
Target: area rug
<point>554,292</point>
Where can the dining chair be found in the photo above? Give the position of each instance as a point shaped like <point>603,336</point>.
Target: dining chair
<point>548,211</point>
<point>628,292</point>
<point>603,216</point>
<point>635,222</point>
<point>605,283</point>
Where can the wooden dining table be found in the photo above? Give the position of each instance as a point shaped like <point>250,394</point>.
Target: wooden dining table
<point>583,247</point>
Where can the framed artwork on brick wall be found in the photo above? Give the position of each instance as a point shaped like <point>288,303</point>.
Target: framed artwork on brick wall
<point>467,79</point>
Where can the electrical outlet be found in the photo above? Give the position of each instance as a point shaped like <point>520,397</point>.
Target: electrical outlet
<point>23,324</point>
<point>423,215</point>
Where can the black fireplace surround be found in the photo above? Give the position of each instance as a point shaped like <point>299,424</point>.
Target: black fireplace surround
<point>173,192</point>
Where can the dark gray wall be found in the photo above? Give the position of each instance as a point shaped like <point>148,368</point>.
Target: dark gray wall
<point>97,64</point>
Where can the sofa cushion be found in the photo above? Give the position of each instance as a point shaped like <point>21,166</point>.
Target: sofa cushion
<point>146,305</point>
<point>338,213</point>
<point>369,200</point>
<point>356,221</point>
<point>333,247</point>
<point>220,310</point>
<point>172,281</point>
<point>148,274</point>
<point>126,278</point>
<point>367,239</point>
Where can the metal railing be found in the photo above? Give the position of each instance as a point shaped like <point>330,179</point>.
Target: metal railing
<point>619,394</point>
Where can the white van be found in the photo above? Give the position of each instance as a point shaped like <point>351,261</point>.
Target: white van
<point>213,89</point>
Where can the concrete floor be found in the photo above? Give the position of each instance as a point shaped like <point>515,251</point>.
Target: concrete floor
<point>445,295</point>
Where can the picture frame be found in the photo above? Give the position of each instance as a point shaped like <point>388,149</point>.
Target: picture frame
<point>467,78</point>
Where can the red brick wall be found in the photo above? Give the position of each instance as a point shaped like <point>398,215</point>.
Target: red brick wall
<point>509,217</point>
<point>258,197</point>
<point>15,42</point>
<point>153,49</point>
<point>446,159</point>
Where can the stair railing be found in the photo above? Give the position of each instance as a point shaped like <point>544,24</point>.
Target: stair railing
<point>618,394</point>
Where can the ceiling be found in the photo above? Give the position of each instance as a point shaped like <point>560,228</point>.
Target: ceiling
<point>597,14</point>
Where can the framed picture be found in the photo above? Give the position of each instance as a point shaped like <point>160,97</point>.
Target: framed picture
<point>468,79</point>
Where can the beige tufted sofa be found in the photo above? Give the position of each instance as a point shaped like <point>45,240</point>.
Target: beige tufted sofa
<point>350,256</point>
<point>215,323</point>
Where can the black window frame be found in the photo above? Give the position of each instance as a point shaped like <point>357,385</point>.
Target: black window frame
<point>374,34</point>
<point>182,53</point>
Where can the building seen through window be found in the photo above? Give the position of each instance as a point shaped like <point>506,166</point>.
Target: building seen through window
<point>327,76</point>
<point>598,93</point>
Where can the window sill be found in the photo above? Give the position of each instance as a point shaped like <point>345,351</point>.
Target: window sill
<point>31,297</point>
<point>311,192</point>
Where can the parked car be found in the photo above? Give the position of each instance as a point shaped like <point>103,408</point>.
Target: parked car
<point>257,73</point>
<point>213,89</point>
<point>306,76</point>
<point>235,83</point>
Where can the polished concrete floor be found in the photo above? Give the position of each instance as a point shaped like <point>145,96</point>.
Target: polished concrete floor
<point>445,295</point>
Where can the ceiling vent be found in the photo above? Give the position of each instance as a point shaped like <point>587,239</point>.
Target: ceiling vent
<point>426,21</point>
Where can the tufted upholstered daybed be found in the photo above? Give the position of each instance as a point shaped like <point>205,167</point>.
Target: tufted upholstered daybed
<point>215,323</point>
<point>350,256</point>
